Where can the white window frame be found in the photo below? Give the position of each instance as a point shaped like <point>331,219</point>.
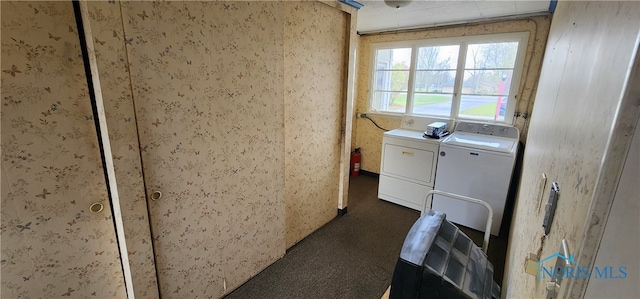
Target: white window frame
<point>463,41</point>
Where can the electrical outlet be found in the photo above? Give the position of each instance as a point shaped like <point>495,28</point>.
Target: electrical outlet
<point>531,264</point>
<point>362,115</point>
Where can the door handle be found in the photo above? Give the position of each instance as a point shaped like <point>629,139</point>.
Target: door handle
<point>96,207</point>
<point>155,195</point>
<point>407,153</point>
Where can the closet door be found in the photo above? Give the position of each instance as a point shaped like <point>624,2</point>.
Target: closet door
<point>315,39</point>
<point>53,245</point>
<point>207,86</point>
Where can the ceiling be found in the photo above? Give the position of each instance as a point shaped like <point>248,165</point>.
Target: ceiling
<point>376,16</point>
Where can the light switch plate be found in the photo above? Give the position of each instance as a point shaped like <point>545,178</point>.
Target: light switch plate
<point>541,187</point>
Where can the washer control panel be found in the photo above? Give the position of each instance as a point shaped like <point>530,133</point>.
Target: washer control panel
<point>488,129</point>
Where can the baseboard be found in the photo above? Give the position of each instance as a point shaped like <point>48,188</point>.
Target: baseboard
<point>342,212</point>
<point>369,173</point>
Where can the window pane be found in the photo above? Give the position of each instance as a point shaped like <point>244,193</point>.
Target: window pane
<point>438,58</point>
<point>432,104</point>
<point>483,107</point>
<point>392,80</point>
<point>487,82</point>
<point>393,59</point>
<point>493,55</point>
<point>389,101</point>
<point>435,81</point>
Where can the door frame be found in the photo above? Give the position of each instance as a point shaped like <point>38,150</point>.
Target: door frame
<point>348,113</point>
<point>624,125</point>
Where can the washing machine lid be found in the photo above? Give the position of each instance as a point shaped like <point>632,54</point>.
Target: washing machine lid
<point>484,142</point>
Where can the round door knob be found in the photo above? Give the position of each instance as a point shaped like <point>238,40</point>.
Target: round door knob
<point>156,195</point>
<point>96,207</point>
<point>442,154</point>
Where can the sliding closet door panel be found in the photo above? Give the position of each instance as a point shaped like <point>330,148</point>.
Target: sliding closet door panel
<point>52,244</point>
<point>109,42</point>
<point>315,44</point>
<point>208,87</point>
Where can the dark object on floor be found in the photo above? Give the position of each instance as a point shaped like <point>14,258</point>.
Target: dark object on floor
<point>439,261</point>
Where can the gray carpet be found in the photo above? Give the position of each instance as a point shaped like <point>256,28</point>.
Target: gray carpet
<point>352,256</point>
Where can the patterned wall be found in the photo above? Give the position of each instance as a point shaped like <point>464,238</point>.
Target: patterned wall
<point>369,138</point>
<point>52,246</point>
<point>197,108</point>
<point>315,41</point>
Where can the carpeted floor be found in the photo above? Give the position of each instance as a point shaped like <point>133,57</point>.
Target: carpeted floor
<point>352,256</point>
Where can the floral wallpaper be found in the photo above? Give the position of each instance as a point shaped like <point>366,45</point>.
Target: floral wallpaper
<point>52,245</point>
<point>315,42</point>
<point>209,110</point>
<point>109,42</point>
<point>232,110</point>
<point>369,138</point>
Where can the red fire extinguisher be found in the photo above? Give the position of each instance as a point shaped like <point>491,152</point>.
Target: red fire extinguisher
<point>356,156</point>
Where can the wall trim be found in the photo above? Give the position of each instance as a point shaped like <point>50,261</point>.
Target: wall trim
<point>342,212</point>
<point>369,173</point>
<point>349,100</point>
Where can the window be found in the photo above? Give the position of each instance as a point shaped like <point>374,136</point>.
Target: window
<point>473,77</point>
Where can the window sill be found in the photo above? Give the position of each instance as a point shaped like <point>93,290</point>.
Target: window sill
<point>396,116</point>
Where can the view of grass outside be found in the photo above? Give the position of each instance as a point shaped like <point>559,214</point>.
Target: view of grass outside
<point>419,99</point>
<point>487,110</point>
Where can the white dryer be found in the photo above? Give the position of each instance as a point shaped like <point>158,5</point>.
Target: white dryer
<point>408,163</point>
<point>476,160</point>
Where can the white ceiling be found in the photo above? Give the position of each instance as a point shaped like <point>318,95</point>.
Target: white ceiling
<point>376,16</point>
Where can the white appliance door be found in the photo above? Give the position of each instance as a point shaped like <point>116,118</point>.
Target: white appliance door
<point>410,163</point>
<point>478,174</point>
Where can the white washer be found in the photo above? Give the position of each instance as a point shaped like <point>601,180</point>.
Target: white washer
<point>477,161</point>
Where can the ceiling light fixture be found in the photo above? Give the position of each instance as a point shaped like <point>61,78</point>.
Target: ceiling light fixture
<point>397,4</point>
